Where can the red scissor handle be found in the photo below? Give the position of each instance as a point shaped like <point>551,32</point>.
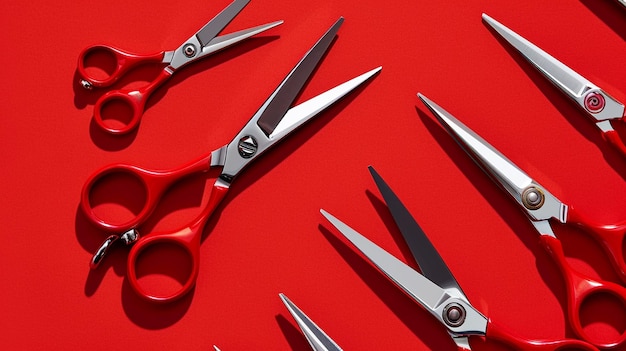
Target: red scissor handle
<point>134,99</point>
<point>610,237</point>
<point>155,183</point>
<point>187,238</point>
<point>502,336</point>
<point>580,288</point>
<point>614,139</point>
<point>124,61</point>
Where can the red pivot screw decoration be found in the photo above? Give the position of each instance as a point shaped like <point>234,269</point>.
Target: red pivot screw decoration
<point>594,102</point>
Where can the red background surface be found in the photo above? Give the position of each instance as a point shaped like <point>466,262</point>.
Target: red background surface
<point>268,236</point>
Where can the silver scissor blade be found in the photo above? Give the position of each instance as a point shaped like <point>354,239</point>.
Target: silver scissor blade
<point>278,103</point>
<point>316,337</point>
<point>226,40</point>
<point>298,115</point>
<point>214,26</point>
<point>418,287</point>
<point>430,262</point>
<point>575,86</point>
<point>501,169</point>
<point>506,172</point>
<point>564,77</point>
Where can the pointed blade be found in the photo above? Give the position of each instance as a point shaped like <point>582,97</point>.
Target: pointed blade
<point>278,103</point>
<point>430,262</point>
<point>214,26</point>
<point>594,101</point>
<point>226,40</point>
<point>298,115</point>
<point>538,205</point>
<point>418,287</point>
<point>316,337</point>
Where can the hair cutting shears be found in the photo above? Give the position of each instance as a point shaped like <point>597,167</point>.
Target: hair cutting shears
<point>435,288</point>
<point>200,45</point>
<point>316,337</point>
<point>269,125</point>
<point>541,206</point>
<point>595,102</point>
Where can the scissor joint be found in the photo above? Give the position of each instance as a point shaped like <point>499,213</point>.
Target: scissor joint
<point>218,157</point>
<point>605,126</point>
<point>183,55</point>
<point>168,56</point>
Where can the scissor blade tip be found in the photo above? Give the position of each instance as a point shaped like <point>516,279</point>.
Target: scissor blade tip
<point>428,102</point>
<point>490,21</point>
<point>372,72</point>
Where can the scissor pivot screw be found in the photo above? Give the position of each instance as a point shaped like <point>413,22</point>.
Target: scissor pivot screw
<point>533,198</point>
<point>247,146</point>
<point>189,50</point>
<point>594,102</point>
<point>454,314</point>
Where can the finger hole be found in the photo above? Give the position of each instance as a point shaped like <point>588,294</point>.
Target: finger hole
<point>603,317</point>
<point>118,197</point>
<point>116,113</point>
<point>99,63</point>
<point>163,269</point>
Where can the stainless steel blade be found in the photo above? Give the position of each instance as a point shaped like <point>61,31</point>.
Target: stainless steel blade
<point>533,198</point>
<point>598,104</point>
<point>430,262</point>
<point>316,337</point>
<point>278,103</point>
<point>217,24</point>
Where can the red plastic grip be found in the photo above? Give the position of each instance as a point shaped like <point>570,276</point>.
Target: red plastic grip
<point>124,61</point>
<point>502,336</point>
<point>578,289</point>
<point>155,183</point>
<point>135,99</point>
<point>614,139</point>
<point>610,237</point>
<point>189,238</point>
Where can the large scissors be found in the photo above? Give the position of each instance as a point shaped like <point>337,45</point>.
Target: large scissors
<point>541,206</point>
<point>200,45</point>
<point>269,125</point>
<point>317,338</point>
<point>435,288</point>
<point>595,102</point>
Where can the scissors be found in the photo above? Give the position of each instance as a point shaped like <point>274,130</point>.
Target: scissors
<point>200,45</point>
<point>268,126</point>
<point>317,338</point>
<point>435,288</point>
<point>595,102</point>
<point>541,206</point>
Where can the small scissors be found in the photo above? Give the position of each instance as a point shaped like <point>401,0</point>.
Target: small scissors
<point>540,206</point>
<point>435,288</point>
<point>597,104</point>
<point>201,44</point>
<point>316,337</point>
<point>273,121</point>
